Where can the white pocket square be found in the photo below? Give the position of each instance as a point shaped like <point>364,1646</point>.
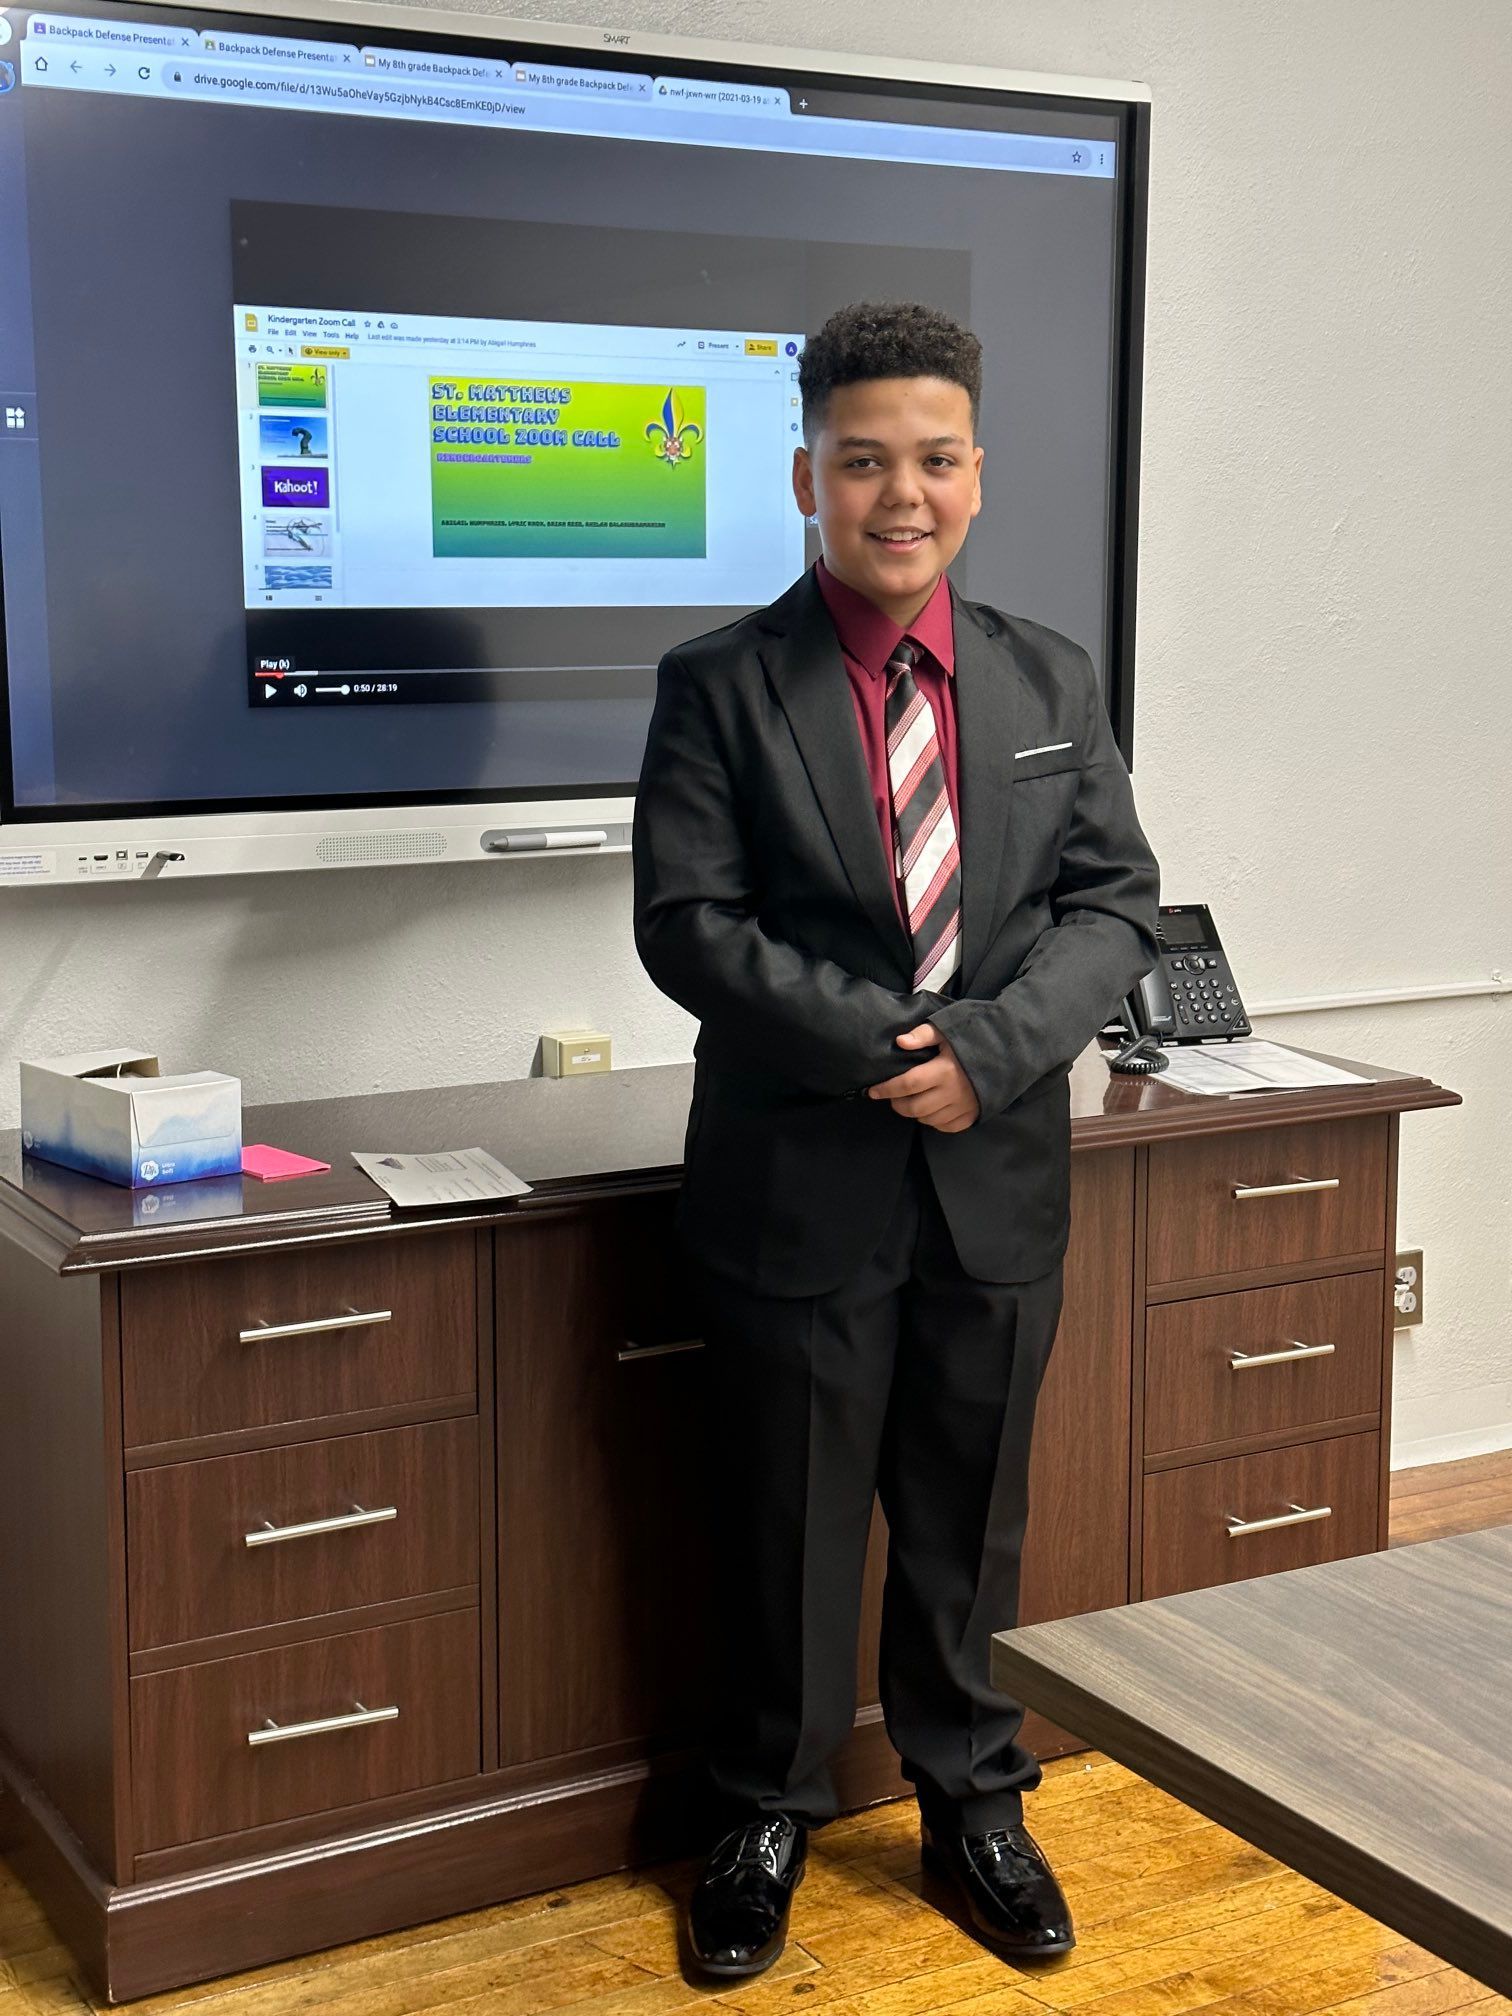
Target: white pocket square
<point>1044,749</point>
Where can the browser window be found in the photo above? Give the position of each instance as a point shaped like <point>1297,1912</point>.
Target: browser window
<point>445,461</point>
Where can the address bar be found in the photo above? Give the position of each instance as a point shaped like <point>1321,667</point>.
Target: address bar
<point>351,94</point>
<point>760,128</point>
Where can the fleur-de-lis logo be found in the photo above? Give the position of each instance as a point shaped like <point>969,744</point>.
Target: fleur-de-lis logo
<point>673,435</point>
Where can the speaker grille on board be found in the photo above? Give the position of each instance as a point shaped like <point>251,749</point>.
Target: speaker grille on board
<point>347,848</point>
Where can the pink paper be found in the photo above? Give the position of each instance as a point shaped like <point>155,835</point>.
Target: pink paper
<point>273,1164</point>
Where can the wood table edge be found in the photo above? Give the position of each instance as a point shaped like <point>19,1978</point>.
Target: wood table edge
<point>1449,1930</point>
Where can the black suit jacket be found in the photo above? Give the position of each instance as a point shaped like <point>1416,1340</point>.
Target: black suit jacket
<point>764,906</point>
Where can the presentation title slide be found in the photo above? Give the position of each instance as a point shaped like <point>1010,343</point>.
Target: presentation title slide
<point>580,470</point>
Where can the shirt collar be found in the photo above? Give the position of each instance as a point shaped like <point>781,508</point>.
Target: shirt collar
<point>870,636</point>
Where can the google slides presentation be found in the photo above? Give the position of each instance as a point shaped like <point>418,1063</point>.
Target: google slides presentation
<point>454,462</point>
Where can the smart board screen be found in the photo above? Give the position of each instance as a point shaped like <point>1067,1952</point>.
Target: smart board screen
<point>379,407</point>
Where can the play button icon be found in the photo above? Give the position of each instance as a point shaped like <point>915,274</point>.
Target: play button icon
<point>270,692</point>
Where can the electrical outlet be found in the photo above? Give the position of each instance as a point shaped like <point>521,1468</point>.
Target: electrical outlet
<point>1409,1287</point>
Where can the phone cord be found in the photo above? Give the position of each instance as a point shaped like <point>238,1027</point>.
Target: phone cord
<point>1140,1059</point>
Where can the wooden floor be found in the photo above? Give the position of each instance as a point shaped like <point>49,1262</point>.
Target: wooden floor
<point>1451,1498</point>
<point>1173,1915</point>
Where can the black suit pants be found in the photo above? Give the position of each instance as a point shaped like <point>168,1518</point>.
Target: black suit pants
<point>917,1382</point>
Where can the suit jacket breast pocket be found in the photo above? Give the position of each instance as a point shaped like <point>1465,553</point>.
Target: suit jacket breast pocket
<point>1054,759</point>
<point>1039,814</point>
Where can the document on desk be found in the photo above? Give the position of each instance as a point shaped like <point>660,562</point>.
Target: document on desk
<point>447,1176</point>
<point>1249,1064</point>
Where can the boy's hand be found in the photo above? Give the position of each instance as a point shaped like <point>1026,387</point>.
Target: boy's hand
<point>938,1092</point>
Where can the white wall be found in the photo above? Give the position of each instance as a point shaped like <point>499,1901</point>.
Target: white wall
<point>1324,731</point>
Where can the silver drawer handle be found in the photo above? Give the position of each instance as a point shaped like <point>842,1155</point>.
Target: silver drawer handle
<point>1298,1516</point>
<point>1291,1189</point>
<point>633,1350</point>
<point>1246,1361</point>
<point>353,1320</point>
<point>290,1732</point>
<point>268,1535</point>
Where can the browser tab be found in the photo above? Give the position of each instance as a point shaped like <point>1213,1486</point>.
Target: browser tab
<point>66,29</point>
<point>423,63</point>
<point>277,49</point>
<point>695,94</point>
<point>618,84</point>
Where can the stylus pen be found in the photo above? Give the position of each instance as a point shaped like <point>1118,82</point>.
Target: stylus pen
<point>517,843</point>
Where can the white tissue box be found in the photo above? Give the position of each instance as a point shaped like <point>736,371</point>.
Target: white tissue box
<point>113,1114</point>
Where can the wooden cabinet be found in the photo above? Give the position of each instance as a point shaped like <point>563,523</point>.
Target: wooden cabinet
<point>303,1610</point>
<point>353,1572</point>
<point>1265,1407</point>
<point>605,1586</point>
<point>1077,1544</point>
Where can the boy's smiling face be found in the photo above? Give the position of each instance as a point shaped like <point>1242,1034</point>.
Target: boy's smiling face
<point>894,475</point>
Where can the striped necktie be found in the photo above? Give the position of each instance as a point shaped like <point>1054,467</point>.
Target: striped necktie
<point>926,856</point>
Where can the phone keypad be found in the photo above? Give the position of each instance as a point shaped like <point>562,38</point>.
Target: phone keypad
<point>1203,995</point>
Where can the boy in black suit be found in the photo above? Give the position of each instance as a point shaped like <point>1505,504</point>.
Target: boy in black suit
<point>886,851</point>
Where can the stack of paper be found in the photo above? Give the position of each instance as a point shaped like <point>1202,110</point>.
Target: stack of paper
<point>449,1176</point>
<point>1249,1065</point>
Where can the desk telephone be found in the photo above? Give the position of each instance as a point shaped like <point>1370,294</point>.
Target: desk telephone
<point>1189,998</point>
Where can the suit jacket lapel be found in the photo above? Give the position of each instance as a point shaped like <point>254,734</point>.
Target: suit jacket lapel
<point>986,691</point>
<point>802,658</point>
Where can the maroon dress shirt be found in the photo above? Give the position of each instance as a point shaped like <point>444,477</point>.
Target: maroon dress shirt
<point>868,638</point>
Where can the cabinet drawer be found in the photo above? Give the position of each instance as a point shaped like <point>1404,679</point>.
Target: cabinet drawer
<point>192,1574</point>
<point>1214,1369</point>
<point>1266,1198</point>
<point>257,1340</point>
<point>1187,1538</point>
<point>197,1775</point>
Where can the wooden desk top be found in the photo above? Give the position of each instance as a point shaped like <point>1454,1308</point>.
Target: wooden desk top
<point>1350,1719</point>
<point>572,1138</point>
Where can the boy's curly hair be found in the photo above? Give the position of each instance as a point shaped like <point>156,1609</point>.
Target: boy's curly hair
<point>886,339</point>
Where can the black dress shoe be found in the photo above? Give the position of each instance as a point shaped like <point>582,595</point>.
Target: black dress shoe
<point>1016,1905</point>
<point>738,1914</point>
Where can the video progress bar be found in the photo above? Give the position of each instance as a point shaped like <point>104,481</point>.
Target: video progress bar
<point>302,687</point>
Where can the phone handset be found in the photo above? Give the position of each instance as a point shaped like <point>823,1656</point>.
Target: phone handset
<point>1149,1019</point>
